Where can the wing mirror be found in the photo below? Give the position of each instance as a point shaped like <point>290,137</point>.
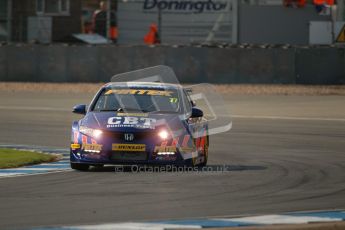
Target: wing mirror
<point>79,109</point>
<point>197,113</point>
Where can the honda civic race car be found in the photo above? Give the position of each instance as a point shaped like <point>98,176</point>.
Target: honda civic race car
<point>132,123</point>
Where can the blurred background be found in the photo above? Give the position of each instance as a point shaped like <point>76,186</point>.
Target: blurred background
<point>219,41</point>
<point>279,66</point>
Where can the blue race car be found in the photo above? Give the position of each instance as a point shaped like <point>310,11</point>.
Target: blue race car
<point>133,123</point>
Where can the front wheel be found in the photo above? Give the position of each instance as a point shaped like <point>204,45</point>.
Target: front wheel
<point>193,161</point>
<point>80,167</point>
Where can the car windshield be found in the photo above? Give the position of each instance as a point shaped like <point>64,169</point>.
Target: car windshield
<point>138,99</point>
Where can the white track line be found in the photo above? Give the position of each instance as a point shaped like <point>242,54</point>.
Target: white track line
<point>244,221</point>
<point>34,108</point>
<point>135,226</point>
<point>282,219</point>
<point>29,169</point>
<point>289,118</point>
<point>54,164</point>
<point>8,175</point>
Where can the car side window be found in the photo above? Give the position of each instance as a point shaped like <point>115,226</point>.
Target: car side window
<point>187,101</point>
<point>100,103</point>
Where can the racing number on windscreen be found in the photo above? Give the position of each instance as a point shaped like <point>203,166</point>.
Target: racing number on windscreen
<point>142,100</point>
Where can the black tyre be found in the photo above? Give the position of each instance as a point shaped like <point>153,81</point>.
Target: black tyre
<point>80,167</point>
<point>98,166</point>
<point>192,162</point>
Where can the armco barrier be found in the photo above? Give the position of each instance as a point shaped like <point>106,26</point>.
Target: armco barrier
<point>321,66</point>
<point>63,63</point>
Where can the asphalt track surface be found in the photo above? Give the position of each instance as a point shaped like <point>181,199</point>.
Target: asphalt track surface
<point>284,153</point>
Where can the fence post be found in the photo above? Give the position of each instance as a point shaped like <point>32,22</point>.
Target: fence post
<point>235,18</point>
<point>9,20</point>
<point>108,4</point>
<point>160,24</point>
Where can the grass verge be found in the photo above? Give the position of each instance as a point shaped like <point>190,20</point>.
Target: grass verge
<point>10,158</point>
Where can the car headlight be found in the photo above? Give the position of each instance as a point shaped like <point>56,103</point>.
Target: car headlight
<point>163,134</point>
<point>95,133</point>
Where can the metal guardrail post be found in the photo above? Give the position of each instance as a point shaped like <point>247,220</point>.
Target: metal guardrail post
<point>160,25</point>
<point>108,3</point>
<point>9,20</point>
<point>235,21</point>
<point>341,10</point>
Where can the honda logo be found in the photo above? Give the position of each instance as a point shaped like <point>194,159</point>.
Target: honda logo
<point>129,136</point>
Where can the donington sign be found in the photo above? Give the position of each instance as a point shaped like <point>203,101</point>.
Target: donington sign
<point>181,21</point>
<point>186,6</point>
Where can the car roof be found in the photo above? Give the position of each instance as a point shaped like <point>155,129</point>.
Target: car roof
<point>148,85</point>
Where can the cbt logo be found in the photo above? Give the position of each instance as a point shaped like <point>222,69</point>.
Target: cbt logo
<point>137,122</point>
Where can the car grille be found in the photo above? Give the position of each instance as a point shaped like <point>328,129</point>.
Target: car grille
<point>128,156</point>
<point>121,135</point>
<point>123,156</point>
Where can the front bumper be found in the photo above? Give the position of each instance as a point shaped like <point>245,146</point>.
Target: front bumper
<point>151,155</point>
<point>146,149</point>
<point>124,157</point>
